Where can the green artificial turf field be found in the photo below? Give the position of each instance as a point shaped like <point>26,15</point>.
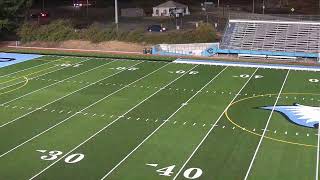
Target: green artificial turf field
<point>78,118</point>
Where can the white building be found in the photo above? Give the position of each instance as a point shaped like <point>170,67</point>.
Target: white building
<point>168,7</point>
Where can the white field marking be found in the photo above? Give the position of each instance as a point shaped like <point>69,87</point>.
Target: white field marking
<point>69,116</point>
<point>265,128</point>
<point>159,127</point>
<point>45,86</point>
<point>5,124</point>
<point>213,125</point>
<point>60,81</point>
<point>105,127</point>
<point>49,72</point>
<point>33,66</point>
<point>153,165</point>
<point>318,148</point>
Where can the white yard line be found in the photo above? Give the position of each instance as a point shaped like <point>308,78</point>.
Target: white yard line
<point>49,72</point>
<point>63,80</point>
<point>318,148</point>
<point>95,134</point>
<point>32,67</point>
<point>266,127</point>
<point>34,137</point>
<point>159,127</point>
<point>1,126</point>
<point>214,125</point>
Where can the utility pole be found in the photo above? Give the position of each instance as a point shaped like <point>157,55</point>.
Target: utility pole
<point>252,6</point>
<point>116,18</point>
<point>87,8</point>
<point>263,6</point>
<point>42,5</point>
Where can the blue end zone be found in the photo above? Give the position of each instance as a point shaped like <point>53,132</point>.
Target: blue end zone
<point>7,59</point>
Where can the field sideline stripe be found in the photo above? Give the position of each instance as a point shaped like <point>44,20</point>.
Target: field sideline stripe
<point>159,127</point>
<point>56,82</point>
<point>32,66</point>
<point>214,125</point>
<point>265,128</point>
<point>105,127</point>
<point>318,148</point>
<point>65,119</point>
<point>49,72</point>
<point>1,126</point>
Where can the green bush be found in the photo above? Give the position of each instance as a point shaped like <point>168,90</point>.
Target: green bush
<point>62,30</point>
<point>56,31</point>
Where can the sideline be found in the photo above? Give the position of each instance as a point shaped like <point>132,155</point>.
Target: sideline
<point>249,65</point>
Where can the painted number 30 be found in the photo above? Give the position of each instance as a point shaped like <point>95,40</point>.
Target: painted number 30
<point>52,155</point>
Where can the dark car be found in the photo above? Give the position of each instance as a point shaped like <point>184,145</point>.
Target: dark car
<point>39,15</point>
<point>156,28</point>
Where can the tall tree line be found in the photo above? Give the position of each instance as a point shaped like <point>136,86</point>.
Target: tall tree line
<point>12,12</point>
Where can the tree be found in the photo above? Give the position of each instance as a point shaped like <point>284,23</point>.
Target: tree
<point>11,13</point>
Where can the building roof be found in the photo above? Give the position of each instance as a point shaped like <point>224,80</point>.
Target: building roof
<point>171,4</point>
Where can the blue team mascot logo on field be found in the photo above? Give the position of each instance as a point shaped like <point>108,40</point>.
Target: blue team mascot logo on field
<point>306,116</point>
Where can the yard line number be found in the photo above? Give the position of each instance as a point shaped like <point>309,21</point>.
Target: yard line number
<point>125,68</point>
<point>245,76</point>
<point>70,65</point>
<point>314,80</point>
<point>183,71</point>
<point>52,155</point>
<point>191,173</point>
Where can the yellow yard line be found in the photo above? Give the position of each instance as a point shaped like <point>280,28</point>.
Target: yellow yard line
<point>257,134</point>
<point>30,74</point>
<point>26,82</point>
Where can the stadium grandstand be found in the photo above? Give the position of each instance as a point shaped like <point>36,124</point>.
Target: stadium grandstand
<point>263,37</point>
<point>272,38</point>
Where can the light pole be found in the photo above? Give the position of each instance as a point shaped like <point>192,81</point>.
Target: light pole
<point>116,18</point>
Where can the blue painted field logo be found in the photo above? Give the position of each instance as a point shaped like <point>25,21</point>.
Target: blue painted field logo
<point>6,59</point>
<point>306,116</point>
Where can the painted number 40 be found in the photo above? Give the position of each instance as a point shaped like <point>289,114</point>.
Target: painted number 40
<point>191,173</point>
<point>52,155</point>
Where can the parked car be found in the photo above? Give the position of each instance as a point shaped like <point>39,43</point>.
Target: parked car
<point>42,14</point>
<point>83,3</point>
<point>156,28</point>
